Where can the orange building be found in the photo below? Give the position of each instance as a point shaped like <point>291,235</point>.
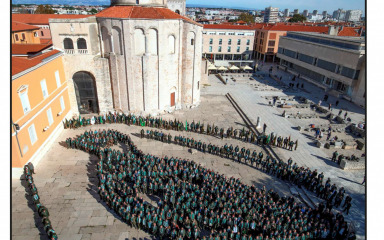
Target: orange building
<point>24,34</point>
<point>40,101</point>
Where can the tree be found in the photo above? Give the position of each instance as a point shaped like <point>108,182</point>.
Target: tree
<point>246,17</point>
<point>41,9</point>
<point>297,18</point>
<point>93,11</point>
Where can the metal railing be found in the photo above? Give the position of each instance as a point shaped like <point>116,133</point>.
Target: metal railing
<point>74,51</point>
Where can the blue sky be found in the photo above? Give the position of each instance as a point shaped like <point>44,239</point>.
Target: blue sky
<point>320,5</point>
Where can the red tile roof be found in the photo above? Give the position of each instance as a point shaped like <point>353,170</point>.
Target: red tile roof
<point>18,26</point>
<point>20,64</point>
<point>349,32</point>
<point>24,49</point>
<point>227,26</point>
<point>296,28</point>
<point>141,13</point>
<point>46,41</point>
<point>43,19</point>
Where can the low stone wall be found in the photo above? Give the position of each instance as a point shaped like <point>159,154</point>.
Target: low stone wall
<point>353,165</point>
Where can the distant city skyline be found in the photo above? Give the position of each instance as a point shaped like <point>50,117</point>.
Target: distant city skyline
<point>327,5</point>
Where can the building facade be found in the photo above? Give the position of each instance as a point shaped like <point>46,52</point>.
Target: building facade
<point>305,13</point>
<point>353,15</point>
<point>296,11</point>
<point>334,63</point>
<point>271,14</point>
<point>40,102</point>
<point>227,45</point>
<point>24,33</point>
<point>178,6</point>
<point>286,12</point>
<point>131,57</point>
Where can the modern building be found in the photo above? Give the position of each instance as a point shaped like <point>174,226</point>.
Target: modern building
<point>178,6</point>
<point>296,11</point>
<point>138,57</point>
<point>267,39</point>
<point>305,13</point>
<point>24,34</point>
<point>271,14</point>
<point>286,12</point>
<point>339,14</point>
<point>226,45</point>
<point>315,12</point>
<point>337,64</point>
<point>40,101</point>
<point>325,14</point>
<point>353,15</point>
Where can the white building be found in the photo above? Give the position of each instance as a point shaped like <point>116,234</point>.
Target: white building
<point>315,12</point>
<point>271,14</point>
<point>296,11</point>
<point>325,14</point>
<point>305,13</point>
<point>286,12</point>
<point>178,6</point>
<point>141,58</point>
<point>314,18</point>
<point>353,15</point>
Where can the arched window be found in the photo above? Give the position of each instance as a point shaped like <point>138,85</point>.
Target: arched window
<point>68,43</point>
<point>177,11</point>
<point>171,44</point>
<point>139,42</point>
<point>86,93</point>
<point>106,40</point>
<point>116,34</point>
<point>152,44</point>
<point>81,43</point>
<point>17,37</point>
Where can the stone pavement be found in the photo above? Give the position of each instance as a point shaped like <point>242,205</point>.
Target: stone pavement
<point>254,105</point>
<point>67,183</point>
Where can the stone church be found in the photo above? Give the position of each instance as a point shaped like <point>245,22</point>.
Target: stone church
<point>135,56</point>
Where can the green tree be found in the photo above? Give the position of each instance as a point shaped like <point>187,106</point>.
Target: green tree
<point>44,9</point>
<point>93,11</point>
<point>246,17</point>
<point>297,18</point>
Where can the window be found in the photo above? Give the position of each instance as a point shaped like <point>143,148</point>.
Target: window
<point>68,43</point>
<point>81,43</point>
<point>247,49</point>
<point>32,134</point>
<point>210,41</point>
<point>229,49</point>
<point>35,34</point>
<point>25,101</point>
<point>326,65</point>
<point>137,2</point>
<point>198,84</point>
<point>357,73</point>
<point>192,41</point>
<point>220,49</point>
<point>17,37</point>
<point>49,115</point>
<point>221,33</point>
<point>280,50</point>
<point>42,33</point>
<point>315,62</point>
<point>348,72</point>
<point>171,44</point>
<point>62,104</point>
<point>248,42</point>
<point>271,50</point>
<point>271,43</point>
<point>238,41</point>
<point>229,41</point>
<point>43,85</point>
<point>210,48</point>
<point>231,33</point>
<point>305,58</point>
<point>22,36</point>
<point>238,49</point>
<point>57,76</point>
<point>220,41</point>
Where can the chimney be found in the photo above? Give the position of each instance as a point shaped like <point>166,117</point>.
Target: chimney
<point>332,30</point>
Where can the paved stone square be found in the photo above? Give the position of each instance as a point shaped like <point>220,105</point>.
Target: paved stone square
<point>67,183</point>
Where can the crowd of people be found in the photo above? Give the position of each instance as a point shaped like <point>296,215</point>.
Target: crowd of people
<point>177,125</point>
<point>193,198</point>
<point>41,210</point>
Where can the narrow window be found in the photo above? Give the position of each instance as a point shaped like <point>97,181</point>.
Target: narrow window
<point>17,37</point>
<point>49,115</point>
<point>44,89</point>
<point>42,33</point>
<point>32,134</point>
<point>219,49</point>
<point>57,76</point>
<point>192,41</point>
<point>210,48</point>
<point>22,36</point>
<point>62,104</point>
<point>25,102</point>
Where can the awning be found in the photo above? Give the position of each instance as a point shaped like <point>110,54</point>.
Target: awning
<point>222,68</point>
<point>211,67</point>
<point>234,68</point>
<point>246,67</point>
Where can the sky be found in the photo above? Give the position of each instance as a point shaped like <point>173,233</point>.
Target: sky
<point>320,5</point>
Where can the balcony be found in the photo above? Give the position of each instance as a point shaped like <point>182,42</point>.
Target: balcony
<point>76,51</point>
